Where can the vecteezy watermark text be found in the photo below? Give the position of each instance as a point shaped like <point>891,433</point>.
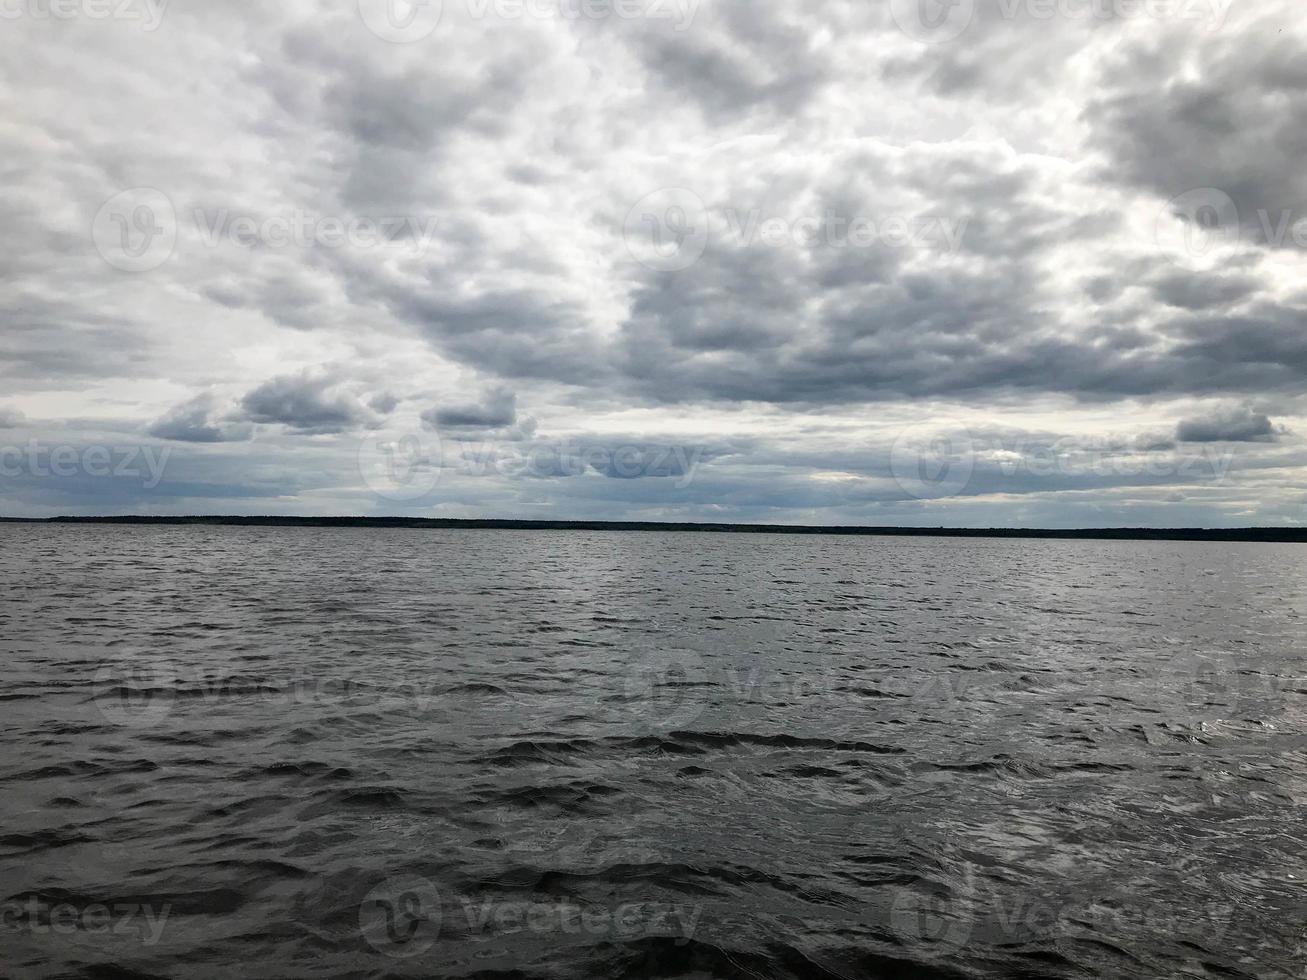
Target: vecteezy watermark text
<point>940,920</point>
<point>305,229</point>
<point>832,230</point>
<point>149,13</point>
<point>409,466</point>
<point>43,462</point>
<point>670,230</point>
<point>39,917</point>
<point>568,458</point>
<point>403,918</point>
<point>137,230</point>
<point>1199,228</point>
<point>931,462</point>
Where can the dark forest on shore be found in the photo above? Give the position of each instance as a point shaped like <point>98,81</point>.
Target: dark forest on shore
<point>1260,534</point>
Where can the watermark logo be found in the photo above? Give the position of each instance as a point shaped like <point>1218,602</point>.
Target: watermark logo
<point>402,468</point>
<point>1198,227</point>
<point>136,230</point>
<point>936,921</point>
<point>929,463</point>
<point>665,689</point>
<point>136,691</point>
<point>401,917</point>
<point>667,231</point>
<point>149,13</point>
<point>933,21</point>
<point>401,21</point>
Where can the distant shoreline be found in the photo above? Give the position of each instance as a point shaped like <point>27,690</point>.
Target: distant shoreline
<point>1251,534</point>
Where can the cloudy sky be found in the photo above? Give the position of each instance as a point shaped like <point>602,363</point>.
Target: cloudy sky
<point>1003,262</point>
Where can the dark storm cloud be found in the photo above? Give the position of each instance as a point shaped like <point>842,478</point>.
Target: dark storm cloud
<point>307,402</point>
<point>927,333</point>
<point>1263,350</point>
<point>517,334</point>
<point>395,120</point>
<point>497,410</point>
<point>196,421</point>
<point>1194,291</point>
<point>738,56</point>
<point>1007,48</point>
<point>531,142</point>
<point>1240,424</point>
<point>1239,125</point>
<point>11,418</point>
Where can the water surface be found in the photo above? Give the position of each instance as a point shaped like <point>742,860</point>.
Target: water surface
<point>361,752</point>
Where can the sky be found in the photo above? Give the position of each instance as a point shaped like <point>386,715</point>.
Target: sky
<point>1031,263</point>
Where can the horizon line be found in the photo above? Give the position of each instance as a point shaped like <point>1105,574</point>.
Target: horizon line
<point>1288,534</point>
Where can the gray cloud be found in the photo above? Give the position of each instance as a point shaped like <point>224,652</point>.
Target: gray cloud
<point>496,410</point>
<point>738,58</point>
<point>1239,125</point>
<point>383,403</point>
<point>1045,146</point>
<point>197,421</point>
<point>307,402</point>
<point>1192,291</point>
<point>1240,424</point>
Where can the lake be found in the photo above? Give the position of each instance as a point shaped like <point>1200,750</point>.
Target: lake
<point>363,752</point>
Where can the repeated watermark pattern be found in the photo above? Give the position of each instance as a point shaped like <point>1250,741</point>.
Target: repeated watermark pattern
<point>147,13</point>
<point>664,689</point>
<point>1198,229</point>
<point>572,458</point>
<point>141,689</point>
<point>306,229</point>
<point>409,466</point>
<point>658,688</point>
<point>405,468</point>
<point>941,920</point>
<point>403,918</point>
<point>137,230</point>
<point>670,229</point>
<point>401,21</point>
<point>39,461</point>
<point>935,461</point>
<point>36,916</point>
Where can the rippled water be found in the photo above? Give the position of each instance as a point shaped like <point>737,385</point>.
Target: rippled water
<point>355,752</point>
